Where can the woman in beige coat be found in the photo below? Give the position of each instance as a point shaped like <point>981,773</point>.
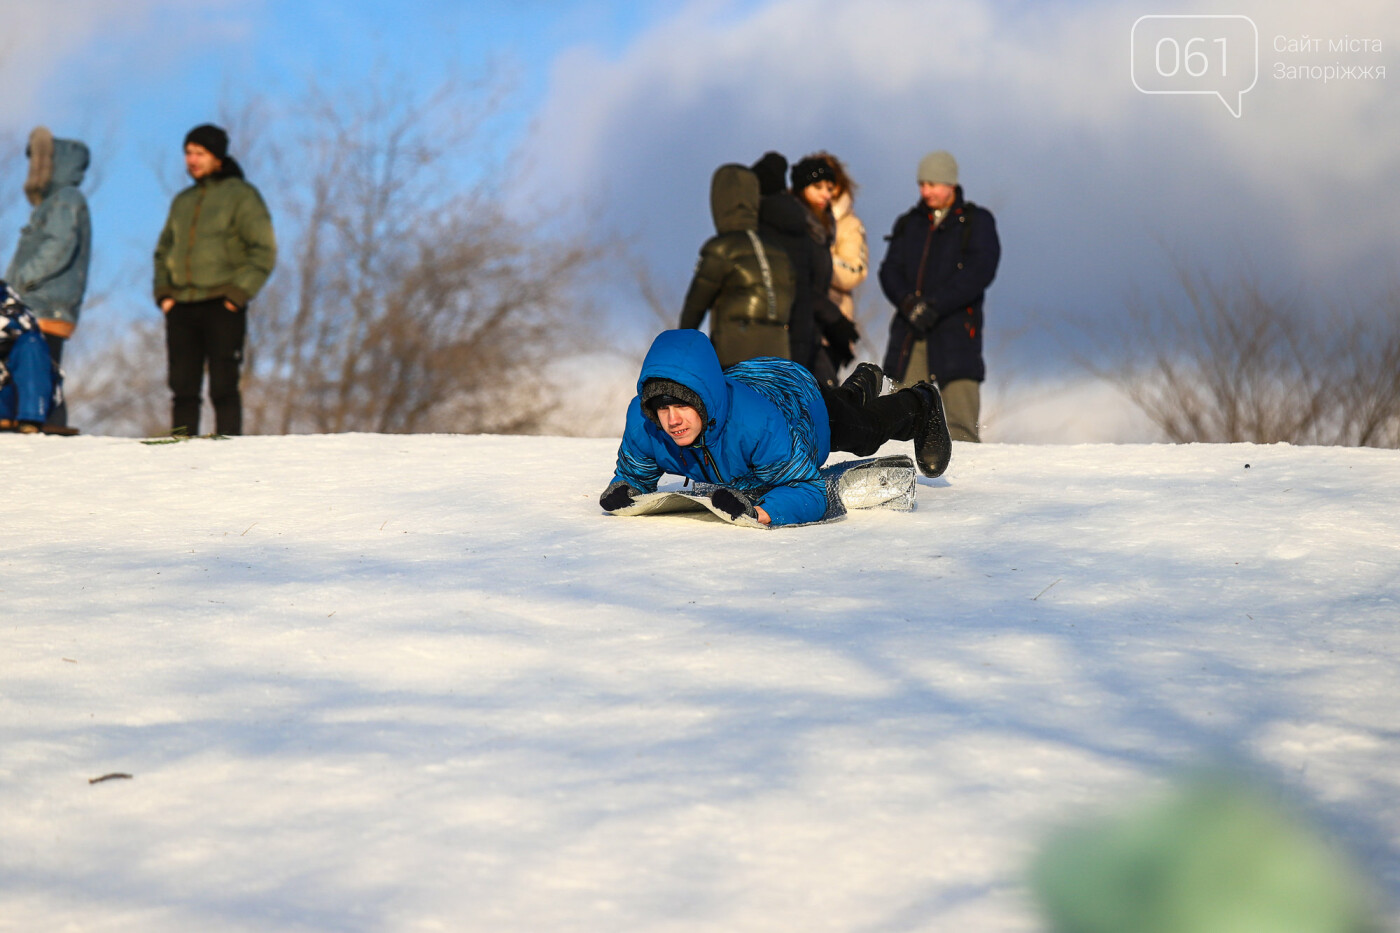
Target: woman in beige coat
<point>850,256</point>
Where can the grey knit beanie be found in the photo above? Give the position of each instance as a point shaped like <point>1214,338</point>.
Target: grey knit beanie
<point>938,168</point>
<point>655,390</point>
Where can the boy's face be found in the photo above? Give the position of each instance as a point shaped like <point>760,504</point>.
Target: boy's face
<point>681,422</point>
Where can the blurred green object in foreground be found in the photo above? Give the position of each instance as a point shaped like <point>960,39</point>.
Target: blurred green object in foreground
<point>1213,857</point>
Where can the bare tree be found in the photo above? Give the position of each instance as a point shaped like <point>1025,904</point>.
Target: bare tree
<point>408,300</point>
<point>405,298</point>
<point>121,386</point>
<point>1234,364</point>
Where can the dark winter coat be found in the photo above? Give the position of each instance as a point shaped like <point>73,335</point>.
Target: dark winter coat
<point>217,242</point>
<point>784,220</point>
<point>50,266</point>
<point>30,383</point>
<point>766,429</point>
<point>747,282</point>
<point>949,267</point>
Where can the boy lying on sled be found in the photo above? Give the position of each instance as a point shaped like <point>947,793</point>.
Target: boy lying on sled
<point>761,429</point>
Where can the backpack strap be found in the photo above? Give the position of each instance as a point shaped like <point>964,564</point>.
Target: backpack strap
<point>767,274</point>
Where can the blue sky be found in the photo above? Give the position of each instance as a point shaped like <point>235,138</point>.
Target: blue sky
<point>623,110</point>
<point>132,80</point>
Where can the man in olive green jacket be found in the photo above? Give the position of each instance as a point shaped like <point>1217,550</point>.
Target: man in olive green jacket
<point>215,253</point>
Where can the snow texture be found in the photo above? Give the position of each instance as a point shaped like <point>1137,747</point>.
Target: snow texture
<point>423,683</point>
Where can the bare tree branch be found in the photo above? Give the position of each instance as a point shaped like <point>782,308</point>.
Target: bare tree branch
<point>1232,364</point>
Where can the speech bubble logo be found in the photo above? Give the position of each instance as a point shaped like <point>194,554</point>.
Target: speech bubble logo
<point>1181,54</point>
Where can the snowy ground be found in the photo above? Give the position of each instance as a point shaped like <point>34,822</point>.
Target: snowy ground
<point>421,683</point>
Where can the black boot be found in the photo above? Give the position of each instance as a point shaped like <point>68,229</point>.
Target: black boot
<point>864,384</point>
<point>933,448</point>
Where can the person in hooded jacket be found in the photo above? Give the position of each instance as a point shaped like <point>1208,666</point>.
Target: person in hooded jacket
<point>942,256</point>
<point>745,283</point>
<point>49,269</point>
<point>216,251</point>
<point>760,430</point>
<point>785,220</point>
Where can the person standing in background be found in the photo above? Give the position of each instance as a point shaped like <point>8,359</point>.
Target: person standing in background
<point>50,267</point>
<point>215,253</point>
<point>814,185</point>
<point>747,283</point>
<point>850,256</point>
<point>942,255</point>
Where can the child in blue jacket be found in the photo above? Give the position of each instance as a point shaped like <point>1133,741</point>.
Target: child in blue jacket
<point>30,384</point>
<point>760,429</point>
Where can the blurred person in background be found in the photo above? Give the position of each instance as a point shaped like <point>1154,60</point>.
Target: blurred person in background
<point>784,219</point>
<point>850,256</point>
<point>744,282</point>
<point>50,267</point>
<point>815,183</point>
<point>216,251</point>
<point>942,255</point>
<point>31,383</point>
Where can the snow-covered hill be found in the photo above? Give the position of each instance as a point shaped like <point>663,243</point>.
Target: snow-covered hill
<point>422,683</point>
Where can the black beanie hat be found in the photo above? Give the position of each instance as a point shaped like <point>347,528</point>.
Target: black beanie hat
<point>210,137</point>
<point>770,170</point>
<point>810,171</point>
<point>656,389</point>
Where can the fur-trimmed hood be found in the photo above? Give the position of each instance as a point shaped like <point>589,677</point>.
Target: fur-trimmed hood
<point>687,357</point>
<point>53,164</point>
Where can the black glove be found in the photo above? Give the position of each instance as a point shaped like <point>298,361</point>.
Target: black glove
<point>617,496</point>
<point>841,332</point>
<point>916,311</point>
<point>733,503</point>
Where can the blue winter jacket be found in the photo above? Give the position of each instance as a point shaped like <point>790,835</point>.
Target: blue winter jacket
<point>766,430</point>
<point>50,266</point>
<point>30,383</point>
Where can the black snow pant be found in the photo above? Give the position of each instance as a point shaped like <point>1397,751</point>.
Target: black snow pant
<point>58,415</point>
<point>197,334</point>
<point>862,431</point>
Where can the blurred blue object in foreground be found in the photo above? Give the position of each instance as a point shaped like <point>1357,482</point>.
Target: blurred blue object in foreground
<point>1213,856</point>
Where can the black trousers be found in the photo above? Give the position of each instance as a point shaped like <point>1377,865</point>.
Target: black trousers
<point>58,415</point>
<point>200,334</point>
<point>862,431</point>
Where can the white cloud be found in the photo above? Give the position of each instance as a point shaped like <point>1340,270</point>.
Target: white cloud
<point>75,58</point>
<point>1095,185</point>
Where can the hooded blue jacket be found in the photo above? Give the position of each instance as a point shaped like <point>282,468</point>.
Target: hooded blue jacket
<point>50,265</point>
<point>766,430</point>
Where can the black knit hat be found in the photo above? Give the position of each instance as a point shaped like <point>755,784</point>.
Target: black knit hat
<point>810,171</point>
<point>210,137</point>
<point>658,393</point>
<point>770,170</point>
